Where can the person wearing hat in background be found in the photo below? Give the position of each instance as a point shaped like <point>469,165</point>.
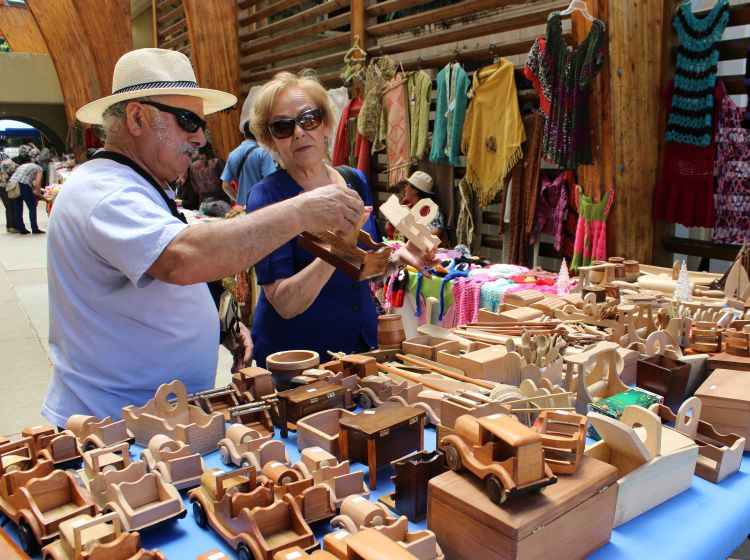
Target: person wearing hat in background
<point>129,304</point>
<point>249,162</point>
<point>418,186</point>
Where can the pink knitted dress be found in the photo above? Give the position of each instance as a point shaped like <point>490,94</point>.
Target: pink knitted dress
<point>591,231</point>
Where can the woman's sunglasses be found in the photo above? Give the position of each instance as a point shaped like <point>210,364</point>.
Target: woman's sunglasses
<point>307,120</point>
<point>187,120</point>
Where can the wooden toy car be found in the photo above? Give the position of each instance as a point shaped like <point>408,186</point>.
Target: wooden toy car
<point>62,448</point>
<point>368,544</point>
<point>38,505</point>
<point>247,515</point>
<point>500,450</point>
<point>244,446</point>
<point>104,460</point>
<point>16,455</point>
<point>314,500</point>
<point>179,420</point>
<point>97,538</point>
<point>296,553</point>
<point>94,433</point>
<point>326,470</point>
<point>174,461</point>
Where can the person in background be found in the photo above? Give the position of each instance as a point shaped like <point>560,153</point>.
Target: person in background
<point>29,177</point>
<point>306,302</point>
<point>418,186</point>
<point>7,167</point>
<point>204,175</point>
<point>248,163</point>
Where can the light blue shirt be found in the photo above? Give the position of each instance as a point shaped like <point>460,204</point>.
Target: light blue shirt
<point>116,333</point>
<point>258,164</point>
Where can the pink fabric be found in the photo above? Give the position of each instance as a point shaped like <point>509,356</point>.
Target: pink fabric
<point>466,294</point>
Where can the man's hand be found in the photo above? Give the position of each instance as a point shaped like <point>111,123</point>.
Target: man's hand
<point>241,346</point>
<point>411,255</point>
<point>330,208</point>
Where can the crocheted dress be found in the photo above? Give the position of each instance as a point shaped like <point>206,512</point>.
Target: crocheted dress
<point>591,232</point>
<point>567,135</point>
<point>733,174</point>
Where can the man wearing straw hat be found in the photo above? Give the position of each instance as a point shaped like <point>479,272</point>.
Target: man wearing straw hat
<point>129,307</point>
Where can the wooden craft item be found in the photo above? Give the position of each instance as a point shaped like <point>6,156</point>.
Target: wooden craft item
<point>499,450</point>
<point>737,339</point>
<point>575,515</point>
<point>725,396</point>
<point>322,429</point>
<point>563,439</point>
<point>719,455</point>
<point>523,298</point>
<point>247,516</point>
<point>314,500</point>
<point>632,270</point>
<point>433,330</point>
<point>407,224</point>
<point>294,404</point>
<point>706,336</point>
<point>598,273</point>
<point>105,461</point>
<point>359,513</point>
<point>427,346</point>
<point>220,399</point>
<point>592,375</point>
<point>651,467</point>
<point>174,460</point>
<point>511,315</point>
<point>296,553</point>
<point>444,371</point>
<point>377,437</point>
<point>359,365</point>
<point>216,554</point>
<point>9,549</point>
<point>368,544</point>
<point>94,433</point>
<point>244,446</point>
<point>255,415</point>
<point>61,448</point>
<point>413,472</point>
<point>484,364</point>
<point>361,258</point>
<point>180,421</point>
<point>600,294</point>
<point>287,364</point>
<point>666,377</point>
<point>341,481</point>
<point>390,332</point>
<point>254,383</point>
<point>549,304</point>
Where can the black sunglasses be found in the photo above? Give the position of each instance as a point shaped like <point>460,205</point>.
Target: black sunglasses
<point>307,120</point>
<point>187,120</point>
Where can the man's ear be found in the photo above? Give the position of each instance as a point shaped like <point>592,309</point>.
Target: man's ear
<point>135,118</point>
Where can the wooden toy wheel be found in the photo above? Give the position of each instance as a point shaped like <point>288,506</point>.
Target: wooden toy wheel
<point>199,514</point>
<point>495,490</point>
<point>224,455</point>
<point>243,552</point>
<point>365,401</point>
<point>453,458</point>
<point>28,540</point>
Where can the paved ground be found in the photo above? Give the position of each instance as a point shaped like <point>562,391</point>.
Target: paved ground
<point>24,328</point>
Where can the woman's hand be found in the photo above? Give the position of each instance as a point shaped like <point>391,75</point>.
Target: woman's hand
<point>411,255</point>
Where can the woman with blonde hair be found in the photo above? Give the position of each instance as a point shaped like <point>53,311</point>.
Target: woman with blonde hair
<point>305,302</point>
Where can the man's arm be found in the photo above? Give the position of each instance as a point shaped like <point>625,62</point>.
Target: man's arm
<point>214,250</point>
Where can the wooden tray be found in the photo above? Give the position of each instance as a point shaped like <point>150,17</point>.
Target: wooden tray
<point>358,263</point>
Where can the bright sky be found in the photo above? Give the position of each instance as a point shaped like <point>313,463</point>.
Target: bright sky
<point>6,124</point>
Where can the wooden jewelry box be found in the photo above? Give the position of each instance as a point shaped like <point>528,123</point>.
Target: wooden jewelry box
<point>726,402</point>
<point>295,404</point>
<point>575,515</point>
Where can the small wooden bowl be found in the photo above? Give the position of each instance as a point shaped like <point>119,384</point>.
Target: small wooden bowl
<point>287,364</point>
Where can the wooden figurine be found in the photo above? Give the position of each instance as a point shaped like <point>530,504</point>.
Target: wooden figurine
<point>62,448</point>
<point>725,397</point>
<point>413,472</point>
<point>288,364</point>
<point>563,439</point>
<point>653,465</point>
<point>322,429</point>
<point>337,476</point>
<point>94,433</point>
<point>361,257</point>
<point>407,224</point>
<point>174,461</point>
<point>98,538</point>
<point>246,515</point>
<point>180,421</point>
<point>719,455</point>
<point>502,452</point>
<point>294,404</point>
<point>244,446</point>
<point>377,437</point>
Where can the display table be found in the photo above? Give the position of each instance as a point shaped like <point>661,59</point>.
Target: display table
<point>706,522</point>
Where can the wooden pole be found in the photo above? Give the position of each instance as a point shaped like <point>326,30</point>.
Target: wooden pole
<point>407,375</point>
<point>445,372</point>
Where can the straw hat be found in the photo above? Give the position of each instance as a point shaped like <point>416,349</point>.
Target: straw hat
<point>421,181</point>
<point>247,107</point>
<point>145,72</point>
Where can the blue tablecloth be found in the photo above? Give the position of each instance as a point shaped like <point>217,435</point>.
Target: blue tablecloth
<point>706,522</point>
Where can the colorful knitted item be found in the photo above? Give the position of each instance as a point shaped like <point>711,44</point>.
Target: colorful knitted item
<point>591,232</point>
<point>690,119</point>
<point>450,109</point>
<point>552,202</point>
<point>492,293</point>
<point>466,294</point>
<point>420,95</point>
<point>534,73</point>
<point>570,73</point>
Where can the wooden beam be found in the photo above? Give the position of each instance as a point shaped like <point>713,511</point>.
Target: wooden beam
<point>213,44</point>
<point>703,249</point>
<point>165,32</point>
<point>175,13</point>
<point>266,12</point>
<point>317,62</point>
<point>382,8</point>
<point>306,49</point>
<point>357,12</point>
<point>310,14</point>
<point>465,8</point>
<point>245,4</point>
<point>293,35</point>
<point>181,39</point>
<point>473,55</point>
<point>20,29</point>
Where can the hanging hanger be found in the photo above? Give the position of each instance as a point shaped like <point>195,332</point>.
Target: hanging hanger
<point>356,50</point>
<point>419,62</point>
<point>455,55</point>
<point>495,56</point>
<point>577,6</point>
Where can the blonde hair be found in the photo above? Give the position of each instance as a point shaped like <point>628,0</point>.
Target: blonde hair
<point>260,115</point>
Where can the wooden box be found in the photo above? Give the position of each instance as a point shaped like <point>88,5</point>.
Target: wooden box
<point>297,403</point>
<point>488,363</point>
<point>426,346</point>
<point>666,377</point>
<point>726,402</point>
<point>570,519</point>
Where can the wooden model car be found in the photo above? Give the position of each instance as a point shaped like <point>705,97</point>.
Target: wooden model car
<point>368,544</point>
<point>16,456</point>
<point>97,538</point>
<point>314,500</point>
<point>62,448</point>
<point>94,433</point>
<point>174,461</point>
<point>244,446</point>
<point>500,450</point>
<point>247,516</point>
<point>296,553</point>
<point>326,470</point>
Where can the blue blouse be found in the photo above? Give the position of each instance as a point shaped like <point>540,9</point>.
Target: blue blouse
<point>341,319</point>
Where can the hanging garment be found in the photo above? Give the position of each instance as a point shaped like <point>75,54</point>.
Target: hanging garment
<point>536,73</point>
<point>396,106</point>
<point>420,93</point>
<point>684,194</point>
<point>570,224</point>
<point>732,223</point>
<point>746,118</point>
<point>691,113</point>
<point>465,224</point>
<point>351,148</point>
<point>371,120</point>
<point>567,135</point>
<point>551,205</point>
<point>591,232</point>
<point>339,98</point>
<point>450,109</point>
<point>493,130</point>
